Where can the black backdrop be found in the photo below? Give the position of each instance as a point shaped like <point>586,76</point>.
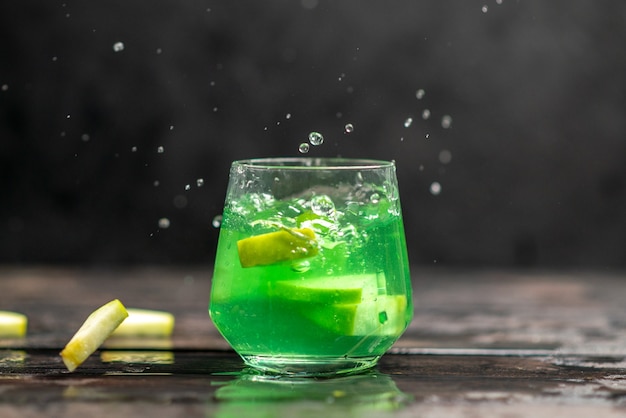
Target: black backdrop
<point>532,167</point>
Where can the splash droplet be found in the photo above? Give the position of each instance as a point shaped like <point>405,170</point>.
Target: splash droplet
<point>217,221</point>
<point>187,186</point>
<point>303,148</point>
<point>133,149</point>
<point>420,94</point>
<point>425,114</point>
<point>446,121</point>
<point>5,87</point>
<point>160,149</point>
<point>349,128</point>
<point>164,223</point>
<point>485,8</point>
<point>288,116</point>
<point>85,137</point>
<point>435,188</point>
<point>316,138</point>
<point>445,156</point>
<point>200,182</point>
<point>118,46</point>
<point>408,122</point>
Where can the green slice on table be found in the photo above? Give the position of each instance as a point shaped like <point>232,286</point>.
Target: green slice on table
<point>12,324</point>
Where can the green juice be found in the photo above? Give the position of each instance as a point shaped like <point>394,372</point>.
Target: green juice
<point>343,294</point>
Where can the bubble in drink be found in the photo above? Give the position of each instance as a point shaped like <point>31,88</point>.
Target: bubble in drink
<point>303,148</point>
<point>375,198</point>
<point>420,94</point>
<point>160,149</point>
<point>349,128</point>
<point>118,46</point>
<point>446,121</point>
<point>200,182</point>
<point>323,205</point>
<point>164,223</point>
<point>217,221</point>
<point>316,138</point>
<point>301,266</point>
<point>425,114</point>
<point>435,188</point>
<point>408,122</point>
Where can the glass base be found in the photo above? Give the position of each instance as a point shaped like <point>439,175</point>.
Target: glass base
<point>310,366</point>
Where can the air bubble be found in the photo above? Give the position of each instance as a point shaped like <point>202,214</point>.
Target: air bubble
<point>303,148</point>
<point>323,205</point>
<point>435,188</point>
<point>164,223</point>
<point>316,138</point>
<point>118,46</point>
<point>301,266</point>
<point>446,121</point>
<point>217,221</point>
<point>425,114</point>
<point>420,94</point>
<point>349,128</point>
<point>375,198</point>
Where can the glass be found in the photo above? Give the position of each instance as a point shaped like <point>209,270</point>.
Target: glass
<point>311,273</point>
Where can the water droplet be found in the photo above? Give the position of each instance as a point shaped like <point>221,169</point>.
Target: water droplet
<point>446,121</point>
<point>156,183</point>
<point>187,186</point>
<point>427,136</point>
<point>5,87</point>
<point>133,149</point>
<point>303,148</point>
<point>435,188</point>
<point>159,50</point>
<point>341,76</point>
<point>215,109</point>
<point>339,115</point>
<point>408,122</point>
<point>288,116</point>
<point>498,1</point>
<point>118,46</point>
<point>85,137</point>
<point>217,221</point>
<point>316,138</point>
<point>485,8</point>
<point>180,202</point>
<point>171,127</point>
<point>164,223</point>
<point>200,182</point>
<point>323,205</point>
<point>349,128</point>
<point>445,156</point>
<point>160,149</point>
<point>421,167</point>
<point>425,114</point>
<point>375,198</point>
<point>420,94</point>
<point>68,116</point>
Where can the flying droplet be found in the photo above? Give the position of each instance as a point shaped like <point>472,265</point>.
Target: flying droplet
<point>425,114</point>
<point>445,156</point>
<point>5,87</point>
<point>435,188</point>
<point>160,149</point>
<point>156,183</point>
<point>316,138</point>
<point>420,94</point>
<point>349,128</point>
<point>164,223</point>
<point>217,221</point>
<point>427,136</point>
<point>85,137</point>
<point>408,122</point>
<point>200,182</point>
<point>485,9</point>
<point>187,186</point>
<point>288,116</point>
<point>303,148</point>
<point>446,121</point>
<point>118,46</point>
<point>133,149</point>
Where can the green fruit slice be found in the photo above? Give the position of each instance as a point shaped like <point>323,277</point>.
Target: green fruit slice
<point>331,290</point>
<point>96,328</point>
<point>274,247</point>
<point>12,324</point>
<point>146,322</point>
<point>384,316</point>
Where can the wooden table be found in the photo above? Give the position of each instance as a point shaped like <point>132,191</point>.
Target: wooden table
<point>483,343</point>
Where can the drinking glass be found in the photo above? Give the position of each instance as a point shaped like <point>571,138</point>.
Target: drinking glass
<point>311,272</point>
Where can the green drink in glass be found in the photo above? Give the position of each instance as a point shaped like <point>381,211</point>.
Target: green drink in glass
<point>311,272</point>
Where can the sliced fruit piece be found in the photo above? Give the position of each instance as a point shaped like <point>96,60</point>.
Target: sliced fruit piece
<point>146,322</point>
<point>383,316</point>
<point>12,324</point>
<point>331,290</point>
<point>96,328</point>
<point>274,247</point>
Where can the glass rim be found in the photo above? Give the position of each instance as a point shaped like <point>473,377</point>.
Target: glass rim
<point>317,163</point>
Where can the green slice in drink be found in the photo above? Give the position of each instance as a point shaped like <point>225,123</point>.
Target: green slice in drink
<point>275,247</point>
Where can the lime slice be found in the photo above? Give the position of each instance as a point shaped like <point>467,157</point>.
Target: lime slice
<point>146,322</point>
<point>380,317</point>
<point>330,290</point>
<point>274,247</point>
<point>96,328</point>
<point>12,324</point>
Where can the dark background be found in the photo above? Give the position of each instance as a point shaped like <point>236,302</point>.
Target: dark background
<point>532,169</point>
